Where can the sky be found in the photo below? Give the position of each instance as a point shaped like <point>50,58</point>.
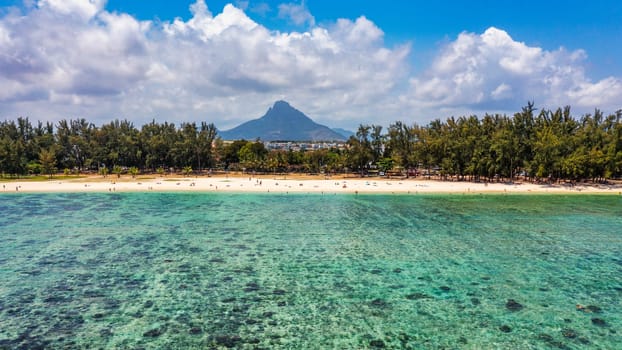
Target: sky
<point>343,63</point>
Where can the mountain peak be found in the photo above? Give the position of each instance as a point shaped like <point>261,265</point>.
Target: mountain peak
<point>282,122</point>
<point>283,112</point>
<point>281,104</point>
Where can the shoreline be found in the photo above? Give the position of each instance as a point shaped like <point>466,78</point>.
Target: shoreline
<point>270,184</point>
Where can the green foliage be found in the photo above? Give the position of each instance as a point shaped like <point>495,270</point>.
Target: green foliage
<point>187,170</point>
<point>117,170</point>
<point>47,159</point>
<point>133,171</point>
<point>252,155</point>
<point>543,146</point>
<point>385,164</point>
<point>403,143</point>
<point>361,151</point>
<point>33,168</point>
<point>276,161</point>
<point>230,153</point>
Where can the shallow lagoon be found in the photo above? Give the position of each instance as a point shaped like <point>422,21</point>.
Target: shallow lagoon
<point>173,270</point>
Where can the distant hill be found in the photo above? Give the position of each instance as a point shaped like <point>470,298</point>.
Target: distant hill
<point>282,122</point>
<point>345,133</point>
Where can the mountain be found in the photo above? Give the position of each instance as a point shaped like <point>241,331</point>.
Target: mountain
<point>343,132</point>
<point>282,122</point>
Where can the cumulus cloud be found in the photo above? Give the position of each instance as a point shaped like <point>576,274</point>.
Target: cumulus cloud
<point>84,9</point>
<point>485,72</point>
<point>74,58</point>
<point>297,13</point>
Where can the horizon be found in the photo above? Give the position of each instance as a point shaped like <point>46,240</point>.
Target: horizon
<point>341,65</point>
<point>339,130</point>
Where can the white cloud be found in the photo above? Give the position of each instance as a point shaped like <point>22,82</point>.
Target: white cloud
<point>501,92</point>
<point>67,59</point>
<point>84,9</point>
<point>224,68</point>
<point>601,93</point>
<point>297,13</point>
<point>199,9</point>
<point>491,71</point>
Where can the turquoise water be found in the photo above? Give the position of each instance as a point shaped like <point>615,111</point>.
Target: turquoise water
<point>184,271</point>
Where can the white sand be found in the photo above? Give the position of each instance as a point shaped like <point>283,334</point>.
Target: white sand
<point>287,185</point>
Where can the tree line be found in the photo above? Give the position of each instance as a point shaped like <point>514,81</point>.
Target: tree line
<point>79,146</point>
<point>543,145</point>
<point>549,145</point>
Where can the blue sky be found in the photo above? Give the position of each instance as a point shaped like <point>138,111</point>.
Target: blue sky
<point>594,26</point>
<point>341,62</point>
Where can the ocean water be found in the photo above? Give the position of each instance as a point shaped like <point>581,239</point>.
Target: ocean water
<point>268,271</point>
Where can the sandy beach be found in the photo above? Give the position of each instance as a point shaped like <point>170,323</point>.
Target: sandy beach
<point>288,184</point>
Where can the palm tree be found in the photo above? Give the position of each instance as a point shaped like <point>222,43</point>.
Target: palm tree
<point>133,171</point>
<point>117,170</point>
<point>187,170</point>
